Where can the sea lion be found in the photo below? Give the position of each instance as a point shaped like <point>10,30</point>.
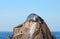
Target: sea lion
<point>34,17</point>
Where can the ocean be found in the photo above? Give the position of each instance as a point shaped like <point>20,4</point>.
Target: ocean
<point>3,35</point>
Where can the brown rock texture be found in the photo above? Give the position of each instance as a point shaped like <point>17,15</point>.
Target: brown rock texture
<point>33,28</point>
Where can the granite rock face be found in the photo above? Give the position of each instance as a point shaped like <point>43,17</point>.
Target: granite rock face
<point>33,28</point>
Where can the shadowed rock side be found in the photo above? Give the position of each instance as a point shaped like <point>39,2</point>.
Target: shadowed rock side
<point>33,28</point>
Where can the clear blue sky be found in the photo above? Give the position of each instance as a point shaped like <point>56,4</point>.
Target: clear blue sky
<point>15,12</point>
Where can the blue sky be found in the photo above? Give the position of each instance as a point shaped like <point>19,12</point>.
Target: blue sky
<point>15,12</point>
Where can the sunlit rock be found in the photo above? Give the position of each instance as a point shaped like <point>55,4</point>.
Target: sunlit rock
<point>33,28</point>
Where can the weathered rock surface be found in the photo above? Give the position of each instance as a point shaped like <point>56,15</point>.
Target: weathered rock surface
<point>33,28</point>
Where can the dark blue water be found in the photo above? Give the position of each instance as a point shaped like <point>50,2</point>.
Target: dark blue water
<point>3,35</point>
<point>57,34</point>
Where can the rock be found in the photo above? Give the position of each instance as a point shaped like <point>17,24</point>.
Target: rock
<point>33,28</point>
